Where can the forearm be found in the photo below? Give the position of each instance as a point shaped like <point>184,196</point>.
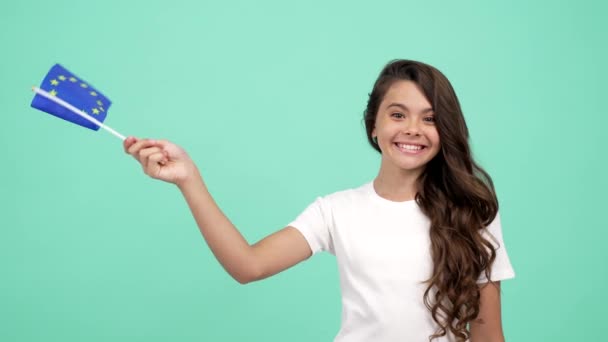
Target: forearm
<point>482,339</point>
<point>483,334</point>
<point>227,244</point>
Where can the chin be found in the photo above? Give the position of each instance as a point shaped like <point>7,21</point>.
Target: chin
<point>409,167</point>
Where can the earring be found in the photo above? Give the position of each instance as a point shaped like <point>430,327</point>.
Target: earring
<point>375,139</point>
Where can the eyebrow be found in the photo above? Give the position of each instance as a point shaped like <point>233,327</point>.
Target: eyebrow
<point>404,107</point>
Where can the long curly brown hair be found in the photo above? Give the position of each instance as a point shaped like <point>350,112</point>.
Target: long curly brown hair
<point>455,193</point>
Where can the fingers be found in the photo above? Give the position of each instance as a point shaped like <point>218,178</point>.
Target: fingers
<point>136,146</point>
<point>154,163</point>
<point>145,153</point>
<point>128,142</point>
<point>143,149</point>
<point>152,159</point>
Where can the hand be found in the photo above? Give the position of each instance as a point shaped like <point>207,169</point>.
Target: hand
<point>161,159</point>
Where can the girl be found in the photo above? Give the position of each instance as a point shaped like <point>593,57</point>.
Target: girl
<point>419,248</point>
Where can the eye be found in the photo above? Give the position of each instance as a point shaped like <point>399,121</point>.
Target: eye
<point>430,119</point>
<point>398,115</point>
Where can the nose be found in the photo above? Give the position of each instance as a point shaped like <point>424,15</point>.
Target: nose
<point>411,127</point>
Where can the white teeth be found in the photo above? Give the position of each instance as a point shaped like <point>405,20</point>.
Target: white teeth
<point>410,147</point>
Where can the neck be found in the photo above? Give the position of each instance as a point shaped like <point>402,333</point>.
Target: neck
<point>396,184</point>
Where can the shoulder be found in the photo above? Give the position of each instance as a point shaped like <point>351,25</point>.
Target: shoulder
<point>349,195</point>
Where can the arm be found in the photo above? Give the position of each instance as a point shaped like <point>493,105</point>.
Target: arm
<point>245,263</point>
<point>487,327</point>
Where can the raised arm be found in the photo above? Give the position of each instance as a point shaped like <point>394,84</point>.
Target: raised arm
<point>245,263</point>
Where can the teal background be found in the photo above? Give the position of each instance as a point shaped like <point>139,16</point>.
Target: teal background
<point>267,97</point>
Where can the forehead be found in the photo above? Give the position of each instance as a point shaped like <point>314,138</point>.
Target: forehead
<point>407,93</point>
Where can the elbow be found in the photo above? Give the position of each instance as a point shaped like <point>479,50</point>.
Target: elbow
<point>243,280</point>
<point>246,270</point>
<point>247,276</point>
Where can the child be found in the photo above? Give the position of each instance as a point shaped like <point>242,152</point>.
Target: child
<point>419,249</point>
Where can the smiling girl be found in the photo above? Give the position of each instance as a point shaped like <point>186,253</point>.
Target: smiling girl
<point>419,248</point>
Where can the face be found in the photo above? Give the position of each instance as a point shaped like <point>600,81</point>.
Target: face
<point>405,128</point>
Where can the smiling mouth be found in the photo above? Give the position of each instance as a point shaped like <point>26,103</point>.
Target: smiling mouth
<point>410,148</point>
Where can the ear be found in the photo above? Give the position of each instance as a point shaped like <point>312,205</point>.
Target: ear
<point>374,132</point>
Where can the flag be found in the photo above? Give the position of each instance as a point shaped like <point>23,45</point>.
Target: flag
<point>74,90</point>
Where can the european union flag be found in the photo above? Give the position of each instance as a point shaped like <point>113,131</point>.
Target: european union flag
<point>74,90</point>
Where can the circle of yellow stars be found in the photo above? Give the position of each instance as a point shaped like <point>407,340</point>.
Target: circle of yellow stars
<point>62,78</point>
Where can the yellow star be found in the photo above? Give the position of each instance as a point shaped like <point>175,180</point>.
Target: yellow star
<point>84,85</point>
<point>54,82</point>
<point>93,93</point>
<point>99,102</point>
<point>53,92</point>
<point>73,79</point>
<point>61,78</point>
<point>95,111</point>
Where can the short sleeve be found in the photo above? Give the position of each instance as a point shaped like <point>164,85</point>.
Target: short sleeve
<point>315,224</point>
<point>501,268</point>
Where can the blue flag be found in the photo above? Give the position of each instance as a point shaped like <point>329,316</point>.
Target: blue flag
<point>75,91</point>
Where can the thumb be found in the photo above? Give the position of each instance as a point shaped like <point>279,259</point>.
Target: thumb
<point>128,142</point>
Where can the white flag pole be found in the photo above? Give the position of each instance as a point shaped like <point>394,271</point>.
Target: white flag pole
<point>77,111</point>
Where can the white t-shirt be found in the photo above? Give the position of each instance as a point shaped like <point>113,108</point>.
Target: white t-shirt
<point>383,253</point>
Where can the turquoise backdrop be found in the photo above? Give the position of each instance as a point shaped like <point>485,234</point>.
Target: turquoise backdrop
<point>267,97</point>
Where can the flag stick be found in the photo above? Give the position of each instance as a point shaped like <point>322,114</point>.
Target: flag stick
<point>75,110</point>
